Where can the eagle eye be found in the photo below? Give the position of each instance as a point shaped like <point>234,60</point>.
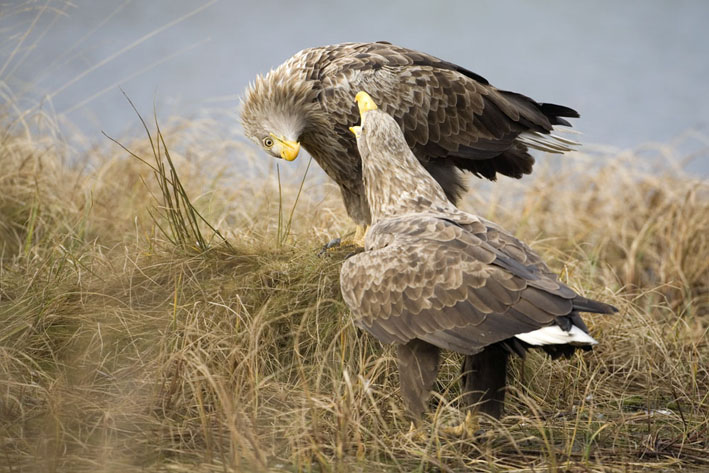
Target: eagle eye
<point>268,142</point>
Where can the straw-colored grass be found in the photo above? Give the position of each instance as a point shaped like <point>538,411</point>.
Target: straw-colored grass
<point>136,339</point>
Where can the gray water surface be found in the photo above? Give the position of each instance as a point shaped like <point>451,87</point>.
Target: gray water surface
<point>637,71</point>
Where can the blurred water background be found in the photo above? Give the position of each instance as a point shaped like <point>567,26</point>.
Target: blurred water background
<point>636,70</point>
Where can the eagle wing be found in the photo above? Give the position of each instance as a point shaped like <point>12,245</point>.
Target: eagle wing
<point>459,287</point>
<point>444,110</point>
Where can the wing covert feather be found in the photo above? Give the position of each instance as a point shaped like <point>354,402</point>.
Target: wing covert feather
<point>444,110</point>
<point>427,277</point>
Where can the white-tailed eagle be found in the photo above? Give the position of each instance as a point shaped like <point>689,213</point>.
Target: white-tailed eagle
<point>434,277</point>
<point>452,118</point>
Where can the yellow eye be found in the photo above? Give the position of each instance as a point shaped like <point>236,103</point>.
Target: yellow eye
<point>267,142</point>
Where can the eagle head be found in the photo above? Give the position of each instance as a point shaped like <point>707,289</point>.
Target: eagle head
<point>275,112</point>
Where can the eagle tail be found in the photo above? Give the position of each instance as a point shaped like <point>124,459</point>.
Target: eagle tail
<point>547,142</point>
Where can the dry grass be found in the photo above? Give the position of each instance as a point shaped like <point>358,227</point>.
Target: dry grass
<point>127,344</point>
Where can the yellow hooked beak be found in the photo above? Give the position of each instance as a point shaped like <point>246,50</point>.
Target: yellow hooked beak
<point>356,130</point>
<point>365,102</point>
<point>289,149</point>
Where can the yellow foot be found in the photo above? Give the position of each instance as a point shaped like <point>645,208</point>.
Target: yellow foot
<point>468,428</point>
<point>416,434</point>
<point>354,244</point>
<point>360,234</point>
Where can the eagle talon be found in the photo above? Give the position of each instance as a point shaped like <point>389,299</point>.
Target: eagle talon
<point>350,255</point>
<point>357,241</point>
<point>469,428</point>
<point>416,433</point>
<point>335,242</point>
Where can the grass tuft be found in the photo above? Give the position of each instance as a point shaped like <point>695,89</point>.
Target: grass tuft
<point>179,221</point>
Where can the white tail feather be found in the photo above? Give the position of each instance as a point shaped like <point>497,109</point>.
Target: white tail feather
<point>549,143</point>
<point>554,335</point>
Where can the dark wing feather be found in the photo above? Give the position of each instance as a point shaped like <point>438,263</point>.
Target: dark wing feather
<point>429,278</point>
<point>445,111</point>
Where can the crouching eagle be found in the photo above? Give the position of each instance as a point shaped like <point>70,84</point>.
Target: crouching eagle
<point>434,277</point>
<point>451,118</point>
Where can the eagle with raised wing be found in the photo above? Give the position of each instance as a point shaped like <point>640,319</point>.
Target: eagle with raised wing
<point>451,118</point>
<point>434,277</point>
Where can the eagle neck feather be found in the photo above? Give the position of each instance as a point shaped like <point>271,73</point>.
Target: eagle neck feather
<point>395,182</point>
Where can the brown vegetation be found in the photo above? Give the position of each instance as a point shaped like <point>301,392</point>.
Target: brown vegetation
<point>127,344</point>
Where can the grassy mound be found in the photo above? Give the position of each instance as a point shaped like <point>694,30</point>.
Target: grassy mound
<point>136,337</point>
